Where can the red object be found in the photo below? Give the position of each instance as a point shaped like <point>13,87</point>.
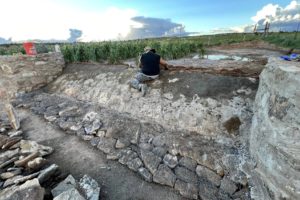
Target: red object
<point>29,48</point>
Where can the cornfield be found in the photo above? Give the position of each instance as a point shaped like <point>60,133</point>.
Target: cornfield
<point>114,52</point>
<point>169,48</point>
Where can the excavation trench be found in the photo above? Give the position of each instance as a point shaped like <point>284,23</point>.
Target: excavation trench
<point>188,138</point>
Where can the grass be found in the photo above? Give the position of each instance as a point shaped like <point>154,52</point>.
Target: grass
<point>284,40</point>
<point>168,48</point>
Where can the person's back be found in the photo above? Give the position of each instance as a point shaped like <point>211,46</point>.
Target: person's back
<point>150,63</point>
<point>150,68</point>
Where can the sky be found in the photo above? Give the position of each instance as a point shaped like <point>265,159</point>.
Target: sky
<point>96,20</point>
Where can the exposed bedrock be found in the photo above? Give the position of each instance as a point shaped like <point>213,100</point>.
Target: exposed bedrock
<point>275,132</point>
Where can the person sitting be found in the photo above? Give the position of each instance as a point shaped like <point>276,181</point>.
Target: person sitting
<point>150,69</point>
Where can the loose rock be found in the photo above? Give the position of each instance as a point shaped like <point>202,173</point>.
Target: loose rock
<point>27,191</point>
<point>70,194</point>
<point>69,112</point>
<point>188,163</point>
<point>95,141</point>
<point>186,175</point>
<point>146,146</point>
<point>170,160</point>
<point>207,191</point>
<point>65,185</point>
<point>228,186</point>
<point>13,118</point>
<point>8,175</point>
<point>92,128</point>
<point>26,178</point>
<point>187,190</point>
<point>36,163</point>
<point>164,175</point>
<point>101,133</point>
<point>10,142</point>
<point>28,146</point>
<point>89,187</point>
<point>106,145</point>
<point>159,151</point>
<point>47,173</point>
<point>145,174</point>
<point>150,160</point>
<point>24,161</point>
<point>135,164</point>
<point>87,137</point>
<point>15,134</point>
<point>11,181</point>
<point>4,156</point>
<point>126,156</point>
<point>122,143</point>
<point>208,174</point>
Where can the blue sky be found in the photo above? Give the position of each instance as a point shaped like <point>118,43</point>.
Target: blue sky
<point>196,15</point>
<point>126,19</point>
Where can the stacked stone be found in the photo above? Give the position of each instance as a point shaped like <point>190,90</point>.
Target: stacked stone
<point>22,73</point>
<point>21,161</point>
<point>151,151</point>
<point>23,168</point>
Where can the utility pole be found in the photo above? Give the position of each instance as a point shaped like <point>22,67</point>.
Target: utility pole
<point>296,34</point>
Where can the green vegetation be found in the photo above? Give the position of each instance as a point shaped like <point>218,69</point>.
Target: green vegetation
<point>116,51</point>
<point>168,48</point>
<point>284,39</point>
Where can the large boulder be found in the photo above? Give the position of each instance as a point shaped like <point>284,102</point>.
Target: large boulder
<point>275,131</point>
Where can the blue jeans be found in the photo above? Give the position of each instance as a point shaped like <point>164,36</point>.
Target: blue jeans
<point>139,80</point>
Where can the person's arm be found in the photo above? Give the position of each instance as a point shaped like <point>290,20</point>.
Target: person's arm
<point>140,63</point>
<point>163,63</point>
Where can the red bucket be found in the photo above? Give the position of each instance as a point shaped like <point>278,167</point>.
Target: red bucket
<point>29,48</point>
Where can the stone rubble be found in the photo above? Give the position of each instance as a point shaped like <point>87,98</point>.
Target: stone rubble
<point>23,168</point>
<point>31,189</point>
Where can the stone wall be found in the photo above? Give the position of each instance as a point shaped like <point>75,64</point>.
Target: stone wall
<point>22,73</point>
<point>196,167</point>
<point>275,132</point>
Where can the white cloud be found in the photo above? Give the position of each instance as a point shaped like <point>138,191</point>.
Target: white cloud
<point>281,18</point>
<point>236,29</point>
<point>48,19</point>
<point>268,10</point>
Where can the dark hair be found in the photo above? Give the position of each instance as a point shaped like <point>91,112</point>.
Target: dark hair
<point>153,50</point>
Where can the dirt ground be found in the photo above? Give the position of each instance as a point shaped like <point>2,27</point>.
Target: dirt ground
<point>74,156</point>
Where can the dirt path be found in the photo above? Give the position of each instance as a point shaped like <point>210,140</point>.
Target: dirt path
<point>74,156</point>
